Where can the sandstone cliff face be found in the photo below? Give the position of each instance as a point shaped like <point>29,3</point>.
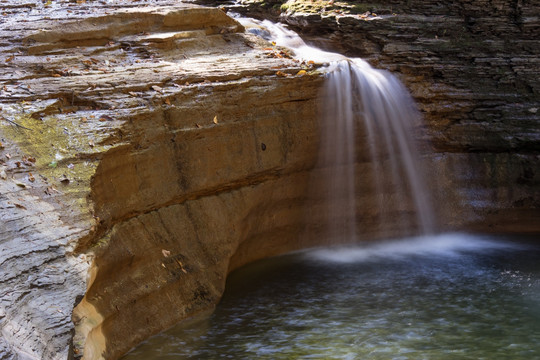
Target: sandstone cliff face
<point>145,151</point>
<point>472,67</point>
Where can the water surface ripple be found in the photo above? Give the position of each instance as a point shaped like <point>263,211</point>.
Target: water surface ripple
<point>450,296</point>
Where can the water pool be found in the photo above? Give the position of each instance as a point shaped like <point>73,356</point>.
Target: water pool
<point>451,296</point>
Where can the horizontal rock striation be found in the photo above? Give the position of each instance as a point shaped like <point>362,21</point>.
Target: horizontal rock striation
<point>472,68</point>
<point>145,151</point>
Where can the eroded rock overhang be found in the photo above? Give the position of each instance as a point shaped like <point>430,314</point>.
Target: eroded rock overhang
<point>140,146</point>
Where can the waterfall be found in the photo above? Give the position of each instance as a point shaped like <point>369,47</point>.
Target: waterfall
<point>359,99</point>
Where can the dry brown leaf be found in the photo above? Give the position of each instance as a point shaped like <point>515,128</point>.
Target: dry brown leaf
<point>105,118</point>
<point>157,88</point>
<point>167,101</point>
<point>31,177</point>
<point>51,190</point>
<point>19,206</point>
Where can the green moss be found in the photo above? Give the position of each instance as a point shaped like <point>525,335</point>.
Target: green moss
<point>57,143</point>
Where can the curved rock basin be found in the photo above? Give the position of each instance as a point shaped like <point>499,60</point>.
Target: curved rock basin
<point>444,297</point>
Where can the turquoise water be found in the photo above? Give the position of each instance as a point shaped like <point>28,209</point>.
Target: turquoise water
<point>451,296</point>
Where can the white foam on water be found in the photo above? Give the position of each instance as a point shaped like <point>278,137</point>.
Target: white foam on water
<point>449,244</point>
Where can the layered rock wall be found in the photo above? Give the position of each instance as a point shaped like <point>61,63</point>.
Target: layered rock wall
<point>147,151</point>
<point>472,67</point>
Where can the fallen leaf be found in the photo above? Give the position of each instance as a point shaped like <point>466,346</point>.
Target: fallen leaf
<point>53,164</point>
<point>64,180</point>
<point>18,164</point>
<point>56,75</point>
<point>28,161</point>
<point>70,166</point>
<point>167,101</point>
<point>31,177</point>
<point>51,190</point>
<point>105,118</point>
<point>1,145</point>
<point>8,156</point>
<point>157,88</point>
<point>91,143</point>
<point>215,119</point>
<point>20,184</point>
<point>84,119</point>
<point>301,72</point>
<point>165,253</point>
<point>181,266</point>
<point>281,73</point>
<point>3,174</point>
<point>134,94</point>
<point>19,206</point>
<point>9,59</point>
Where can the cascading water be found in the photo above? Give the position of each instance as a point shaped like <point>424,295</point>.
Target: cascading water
<point>435,297</point>
<point>358,97</point>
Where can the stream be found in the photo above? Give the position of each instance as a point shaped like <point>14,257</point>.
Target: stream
<point>450,296</point>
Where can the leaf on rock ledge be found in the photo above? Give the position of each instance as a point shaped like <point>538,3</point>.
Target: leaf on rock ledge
<point>31,177</point>
<point>215,119</point>
<point>157,88</point>
<point>301,72</point>
<point>51,190</point>
<point>19,206</point>
<point>165,253</point>
<point>105,118</point>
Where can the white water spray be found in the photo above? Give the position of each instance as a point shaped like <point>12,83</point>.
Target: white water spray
<point>358,95</point>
